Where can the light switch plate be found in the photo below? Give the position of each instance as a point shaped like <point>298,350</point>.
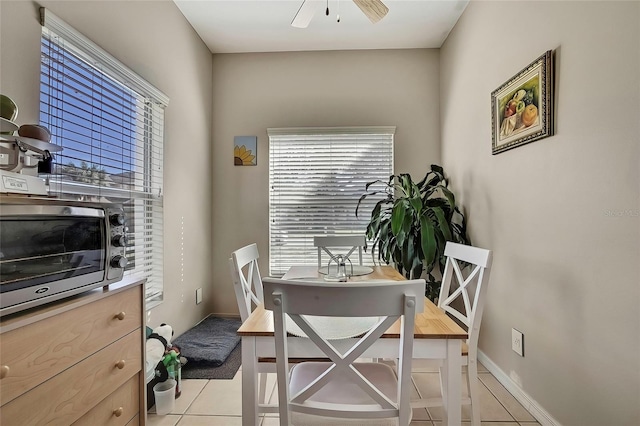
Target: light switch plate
<point>198,296</point>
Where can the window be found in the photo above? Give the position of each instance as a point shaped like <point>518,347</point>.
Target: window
<point>110,124</point>
<point>316,177</point>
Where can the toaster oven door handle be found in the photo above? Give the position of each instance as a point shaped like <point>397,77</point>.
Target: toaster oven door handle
<point>49,210</point>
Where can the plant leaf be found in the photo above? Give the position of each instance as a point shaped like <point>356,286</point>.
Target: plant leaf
<point>405,183</point>
<point>407,252</point>
<point>435,180</point>
<point>375,213</point>
<point>443,224</point>
<point>450,197</point>
<point>428,239</point>
<point>424,179</point>
<point>400,237</point>
<point>397,216</point>
<point>437,169</point>
<point>416,271</point>
<point>416,205</point>
<point>437,202</point>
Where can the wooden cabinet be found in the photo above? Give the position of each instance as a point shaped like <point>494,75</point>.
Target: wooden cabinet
<point>76,361</point>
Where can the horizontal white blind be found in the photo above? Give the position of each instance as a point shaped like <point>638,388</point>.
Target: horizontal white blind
<point>110,124</point>
<point>316,177</point>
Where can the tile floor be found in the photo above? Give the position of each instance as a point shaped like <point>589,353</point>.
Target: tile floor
<point>219,403</point>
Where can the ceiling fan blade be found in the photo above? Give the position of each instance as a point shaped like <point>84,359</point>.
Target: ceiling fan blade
<point>374,9</point>
<point>304,15</point>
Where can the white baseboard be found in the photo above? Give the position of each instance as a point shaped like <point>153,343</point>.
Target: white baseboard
<point>532,406</point>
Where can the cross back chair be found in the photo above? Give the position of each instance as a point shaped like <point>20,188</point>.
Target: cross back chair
<point>326,243</point>
<point>465,302</point>
<point>247,284</point>
<point>343,391</point>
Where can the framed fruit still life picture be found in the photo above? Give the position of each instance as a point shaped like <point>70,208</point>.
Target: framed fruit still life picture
<point>522,108</point>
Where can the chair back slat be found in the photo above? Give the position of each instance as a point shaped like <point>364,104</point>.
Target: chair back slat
<point>247,282</point>
<point>389,300</point>
<point>470,254</point>
<point>325,243</point>
<point>470,313</point>
<point>338,299</point>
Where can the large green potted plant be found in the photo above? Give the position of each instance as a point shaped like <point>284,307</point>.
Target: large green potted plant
<point>411,225</point>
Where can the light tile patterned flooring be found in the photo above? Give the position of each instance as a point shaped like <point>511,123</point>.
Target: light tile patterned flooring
<point>219,403</point>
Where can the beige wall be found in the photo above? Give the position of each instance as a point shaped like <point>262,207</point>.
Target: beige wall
<point>562,213</point>
<point>153,39</point>
<point>252,92</point>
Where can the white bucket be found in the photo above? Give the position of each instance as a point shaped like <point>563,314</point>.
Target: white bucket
<point>165,395</point>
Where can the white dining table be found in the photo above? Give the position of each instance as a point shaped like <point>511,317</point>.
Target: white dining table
<point>435,336</point>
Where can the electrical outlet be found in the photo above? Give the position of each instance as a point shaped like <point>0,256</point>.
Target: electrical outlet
<point>517,342</point>
<point>198,296</point>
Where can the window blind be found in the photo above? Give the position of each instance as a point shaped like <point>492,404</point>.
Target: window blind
<point>316,177</point>
<point>110,124</point>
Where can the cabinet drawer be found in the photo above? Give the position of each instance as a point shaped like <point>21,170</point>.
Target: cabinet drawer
<point>135,421</point>
<point>69,395</point>
<point>117,409</point>
<point>34,353</point>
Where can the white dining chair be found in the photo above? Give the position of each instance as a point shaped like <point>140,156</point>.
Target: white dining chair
<point>343,391</point>
<point>329,243</point>
<point>463,296</point>
<point>247,284</point>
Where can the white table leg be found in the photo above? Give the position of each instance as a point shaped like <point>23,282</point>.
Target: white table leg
<point>452,381</point>
<point>249,382</point>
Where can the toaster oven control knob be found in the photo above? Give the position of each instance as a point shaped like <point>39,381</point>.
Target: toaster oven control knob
<point>119,241</point>
<point>118,261</point>
<point>117,219</point>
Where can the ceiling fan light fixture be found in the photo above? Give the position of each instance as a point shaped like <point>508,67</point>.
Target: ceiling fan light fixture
<point>375,10</point>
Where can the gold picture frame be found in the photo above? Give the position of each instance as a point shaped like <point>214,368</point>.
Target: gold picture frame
<point>522,108</point>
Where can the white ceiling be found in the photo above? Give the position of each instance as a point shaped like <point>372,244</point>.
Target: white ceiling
<point>234,26</point>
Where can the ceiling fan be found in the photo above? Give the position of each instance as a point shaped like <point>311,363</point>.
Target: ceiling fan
<point>375,10</point>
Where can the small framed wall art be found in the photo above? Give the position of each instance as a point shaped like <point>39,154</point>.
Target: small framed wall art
<point>245,150</point>
<point>522,108</point>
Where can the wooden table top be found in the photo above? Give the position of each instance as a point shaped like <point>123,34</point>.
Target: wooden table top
<point>433,323</point>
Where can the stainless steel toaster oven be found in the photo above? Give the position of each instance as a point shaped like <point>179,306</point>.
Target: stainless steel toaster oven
<point>51,249</point>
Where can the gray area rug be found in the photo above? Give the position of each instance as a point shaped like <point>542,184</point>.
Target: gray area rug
<point>210,342</point>
<point>227,370</point>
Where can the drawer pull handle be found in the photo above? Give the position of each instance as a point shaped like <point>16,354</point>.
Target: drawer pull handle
<point>120,364</point>
<point>121,316</point>
<point>118,412</point>
<point>4,371</point>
